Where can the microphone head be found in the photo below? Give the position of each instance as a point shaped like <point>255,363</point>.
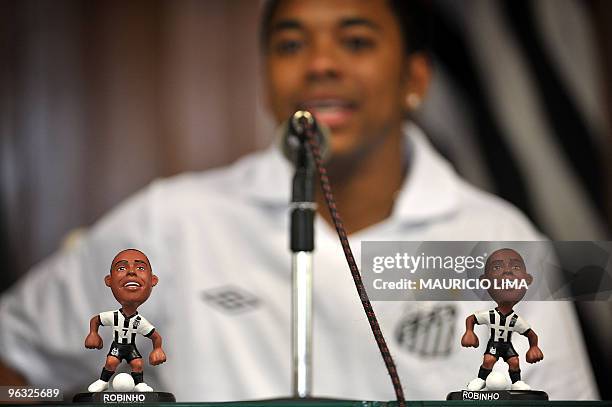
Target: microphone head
<point>300,121</point>
<point>291,131</point>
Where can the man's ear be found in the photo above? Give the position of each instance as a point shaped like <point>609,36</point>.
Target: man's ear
<point>154,280</point>
<point>418,74</point>
<point>107,280</point>
<point>529,278</point>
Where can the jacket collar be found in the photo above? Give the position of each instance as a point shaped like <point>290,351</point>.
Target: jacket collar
<point>430,188</point>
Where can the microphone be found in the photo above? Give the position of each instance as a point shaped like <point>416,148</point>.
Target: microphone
<point>295,145</point>
<point>296,148</point>
<point>292,138</point>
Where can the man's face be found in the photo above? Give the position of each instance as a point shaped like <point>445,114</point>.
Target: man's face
<point>131,279</point>
<point>506,264</point>
<point>344,61</point>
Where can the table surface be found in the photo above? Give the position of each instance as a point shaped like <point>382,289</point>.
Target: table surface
<point>357,403</point>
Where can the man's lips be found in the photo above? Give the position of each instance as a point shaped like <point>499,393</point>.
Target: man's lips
<point>332,112</point>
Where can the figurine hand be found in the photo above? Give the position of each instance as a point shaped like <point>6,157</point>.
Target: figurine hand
<point>93,341</point>
<point>157,357</point>
<point>534,354</point>
<point>469,339</point>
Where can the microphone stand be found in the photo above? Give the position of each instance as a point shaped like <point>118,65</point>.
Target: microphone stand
<point>303,209</point>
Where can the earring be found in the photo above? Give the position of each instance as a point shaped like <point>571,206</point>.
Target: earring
<point>413,100</point>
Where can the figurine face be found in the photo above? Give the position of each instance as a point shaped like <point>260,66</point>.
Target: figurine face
<point>506,264</point>
<point>131,278</point>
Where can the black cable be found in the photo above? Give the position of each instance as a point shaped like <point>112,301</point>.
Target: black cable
<point>311,137</point>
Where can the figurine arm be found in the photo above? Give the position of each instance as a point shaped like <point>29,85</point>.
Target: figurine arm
<point>469,337</point>
<point>157,356</point>
<point>534,354</point>
<point>94,340</point>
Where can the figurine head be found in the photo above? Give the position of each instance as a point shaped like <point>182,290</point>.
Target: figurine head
<point>131,278</point>
<point>506,264</point>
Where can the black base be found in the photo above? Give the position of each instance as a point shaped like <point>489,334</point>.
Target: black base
<point>128,397</point>
<point>497,395</point>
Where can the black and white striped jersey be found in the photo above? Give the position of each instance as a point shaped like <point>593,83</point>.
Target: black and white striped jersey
<point>501,325</point>
<point>125,327</point>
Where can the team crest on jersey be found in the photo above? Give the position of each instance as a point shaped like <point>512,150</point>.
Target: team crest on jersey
<point>492,351</point>
<point>428,330</point>
<point>136,323</point>
<point>114,352</point>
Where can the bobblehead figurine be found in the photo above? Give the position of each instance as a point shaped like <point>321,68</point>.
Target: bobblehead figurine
<point>503,264</point>
<point>131,280</point>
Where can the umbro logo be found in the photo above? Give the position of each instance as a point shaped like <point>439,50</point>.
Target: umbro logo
<point>231,299</point>
<point>428,330</point>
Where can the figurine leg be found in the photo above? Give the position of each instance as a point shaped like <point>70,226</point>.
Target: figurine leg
<point>487,366</point>
<point>488,361</point>
<point>111,363</point>
<point>515,374</point>
<point>136,365</point>
<point>107,372</point>
<point>138,375</point>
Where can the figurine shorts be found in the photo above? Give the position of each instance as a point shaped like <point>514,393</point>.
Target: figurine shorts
<point>126,351</point>
<point>504,350</point>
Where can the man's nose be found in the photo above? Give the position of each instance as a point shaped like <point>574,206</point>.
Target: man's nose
<point>131,270</point>
<point>323,62</point>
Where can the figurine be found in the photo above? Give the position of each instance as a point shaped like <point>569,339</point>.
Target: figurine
<point>503,264</point>
<point>131,280</point>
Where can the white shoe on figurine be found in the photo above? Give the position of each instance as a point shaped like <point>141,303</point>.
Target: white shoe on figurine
<point>476,384</point>
<point>520,385</point>
<point>97,386</point>
<point>143,387</point>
